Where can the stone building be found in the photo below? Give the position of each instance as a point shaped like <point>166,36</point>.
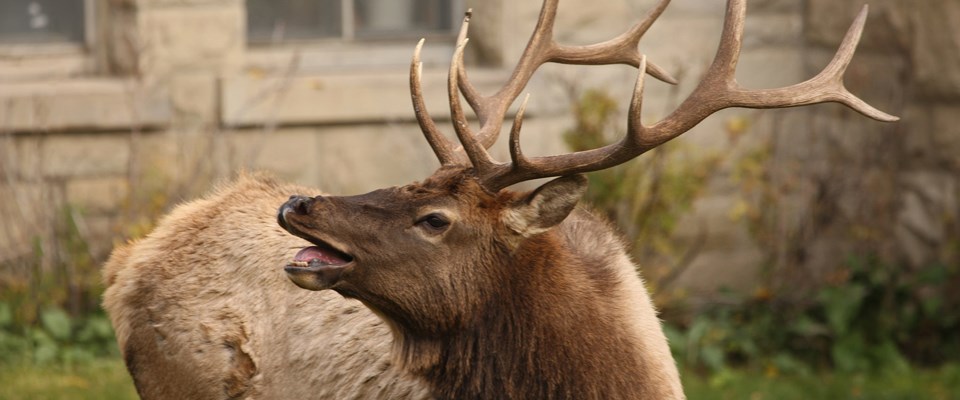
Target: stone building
<point>110,109</point>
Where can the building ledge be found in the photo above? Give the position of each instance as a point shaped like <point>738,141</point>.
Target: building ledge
<point>339,97</point>
<point>81,104</point>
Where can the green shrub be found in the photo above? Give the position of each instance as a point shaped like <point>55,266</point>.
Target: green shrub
<point>56,338</point>
<point>867,316</point>
<point>875,318</point>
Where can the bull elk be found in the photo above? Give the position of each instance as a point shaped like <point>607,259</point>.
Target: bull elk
<point>453,287</point>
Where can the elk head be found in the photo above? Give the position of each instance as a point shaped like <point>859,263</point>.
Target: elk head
<point>428,255</point>
<point>425,253</point>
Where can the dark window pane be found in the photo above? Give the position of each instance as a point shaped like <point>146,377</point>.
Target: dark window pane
<point>290,20</point>
<point>390,18</point>
<point>41,21</point>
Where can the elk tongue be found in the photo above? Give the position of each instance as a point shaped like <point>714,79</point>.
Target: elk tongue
<point>317,267</point>
<point>308,254</point>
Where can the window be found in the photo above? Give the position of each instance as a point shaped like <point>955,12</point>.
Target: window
<point>42,21</point>
<point>272,21</point>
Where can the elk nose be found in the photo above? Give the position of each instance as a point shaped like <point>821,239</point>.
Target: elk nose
<point>299,205</point>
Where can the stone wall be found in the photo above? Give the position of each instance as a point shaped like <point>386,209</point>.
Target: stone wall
<point>171,100</point>
<point>911,60</point>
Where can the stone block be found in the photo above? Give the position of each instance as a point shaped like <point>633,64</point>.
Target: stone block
<point>97,195</point>
<point>276,61</point>
<point>185,39</point>
<point>945,131</point>
<point>775,6</point>
<point>734,269</point>
<point>932,134</point>
<point>928,206</point>
<point>771,67</point>
<point>585,22</point>
<point>194,97</point>
<point>287,152</point>
<point>767,30</point>
<point>339,159</point>
<point>353,159</point>
<point>919,147</point>
<point>681,8</point>
<point>21,156</point>
<point>29,66</point>
<point>360,159</point>
<point>887,28</point>
<point>935,49</point>
<point>174,3</point>
<point>684,8</point>
<point>99,104</point>
<point>360,96</point>
<point>690,40</point>
<point>78,154</point>
<point>923,31</point>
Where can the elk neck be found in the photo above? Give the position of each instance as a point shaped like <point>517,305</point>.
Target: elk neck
<point>554,328</point>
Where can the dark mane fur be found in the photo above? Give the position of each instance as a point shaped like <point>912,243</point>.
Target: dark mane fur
<point>553,308</point>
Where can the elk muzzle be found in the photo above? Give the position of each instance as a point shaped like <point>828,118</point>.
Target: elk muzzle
<point>316,267</point>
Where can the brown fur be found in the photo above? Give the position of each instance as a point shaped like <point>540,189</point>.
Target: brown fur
<point>498,305</point>
<point>203,310</point>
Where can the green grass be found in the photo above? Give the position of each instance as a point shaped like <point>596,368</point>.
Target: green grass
<point>102,379</point>
<point>107,379</point>
<point>943,383</point>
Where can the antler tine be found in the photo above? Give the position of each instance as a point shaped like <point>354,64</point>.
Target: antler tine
<point>827,86</point>
<point>622,49</point>
<point>516,154</point>
<point>582,161</point>
<point>441,146</point>
<point>491,110</point>
<point>717,90</point>
<point>542,48</point>
<point>469,92</point>
<point>476,152</point>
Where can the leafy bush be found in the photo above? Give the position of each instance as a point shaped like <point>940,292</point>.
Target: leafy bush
<point>867,316</point>
<point>49,306</point>
<point>56,338</point>
<point>871,318</point>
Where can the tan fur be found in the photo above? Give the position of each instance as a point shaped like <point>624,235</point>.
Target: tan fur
<point>203,310</point>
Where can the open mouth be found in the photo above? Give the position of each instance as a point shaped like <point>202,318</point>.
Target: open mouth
<point>320,254</point>
<point>318,267</point>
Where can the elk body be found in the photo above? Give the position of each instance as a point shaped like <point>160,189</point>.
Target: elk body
<point>202,310</point>
<point>468,289</point>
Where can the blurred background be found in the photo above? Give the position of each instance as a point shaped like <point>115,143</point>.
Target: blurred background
<point>799,253</point>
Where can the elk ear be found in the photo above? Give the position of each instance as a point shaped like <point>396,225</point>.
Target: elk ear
<point>547,206</point>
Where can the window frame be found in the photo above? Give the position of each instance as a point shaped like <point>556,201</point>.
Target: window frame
<point>39,62</point>
<point>83,47</point>
<point>348,30</point>
<point>343,54</point>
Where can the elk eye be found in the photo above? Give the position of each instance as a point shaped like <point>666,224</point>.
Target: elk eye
<point>434,221</point>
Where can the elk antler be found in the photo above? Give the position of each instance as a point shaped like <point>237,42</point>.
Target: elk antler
<point>717,90</point>
<point>541,49</point>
